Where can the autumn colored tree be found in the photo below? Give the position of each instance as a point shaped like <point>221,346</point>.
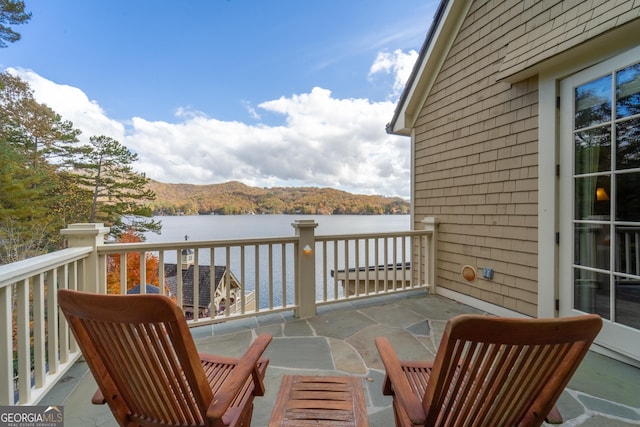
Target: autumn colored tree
<point>114,265</point>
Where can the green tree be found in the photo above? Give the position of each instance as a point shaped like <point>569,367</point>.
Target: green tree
<point>34,126</point>
<point>118,192</point>
<point>25,222</point>
<point>70,201</point>
<point>13,91</point>
<point>11,13</point>
<point>36,144</point>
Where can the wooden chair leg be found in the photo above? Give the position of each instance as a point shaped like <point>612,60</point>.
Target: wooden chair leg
<point>554,416</point>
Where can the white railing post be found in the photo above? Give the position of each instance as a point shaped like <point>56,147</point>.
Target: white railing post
<point>6,348</point>
<point>94,275</point>
<point>431,224</point>
<point>306,268</point>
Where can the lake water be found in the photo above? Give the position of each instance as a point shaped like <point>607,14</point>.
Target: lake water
<point>213,227</point>
<point>223,227</point>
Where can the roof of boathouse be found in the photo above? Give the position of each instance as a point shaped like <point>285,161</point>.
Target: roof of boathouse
<point>204,282</point>
<point>149,289</point>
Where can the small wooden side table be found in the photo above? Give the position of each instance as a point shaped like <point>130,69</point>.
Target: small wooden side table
<point>319,401</point>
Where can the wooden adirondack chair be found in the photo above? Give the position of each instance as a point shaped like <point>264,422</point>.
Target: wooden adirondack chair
<point>489,371</point>
<point>147,367</point>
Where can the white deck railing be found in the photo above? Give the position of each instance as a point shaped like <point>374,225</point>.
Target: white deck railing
<point>35,349</point>
<point>264,275</point>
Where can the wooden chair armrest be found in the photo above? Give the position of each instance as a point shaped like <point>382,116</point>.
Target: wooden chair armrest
<point>426,366</point>
<point>411,403</point>
<point>247,366</point>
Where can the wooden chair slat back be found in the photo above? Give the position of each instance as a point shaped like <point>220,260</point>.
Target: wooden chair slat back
<point>493,371</point>
<point>142,356</point>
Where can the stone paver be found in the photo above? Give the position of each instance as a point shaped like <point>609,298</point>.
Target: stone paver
<point>346,358</point>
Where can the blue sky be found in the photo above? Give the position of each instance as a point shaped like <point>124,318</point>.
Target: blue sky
<point>271,92</point>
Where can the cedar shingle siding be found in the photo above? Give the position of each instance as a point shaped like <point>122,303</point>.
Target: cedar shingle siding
<point>476,141</point>
<point>542,29</point>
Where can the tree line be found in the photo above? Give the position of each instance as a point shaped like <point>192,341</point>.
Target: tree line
<point>232,198</point>
<point>49,179</point>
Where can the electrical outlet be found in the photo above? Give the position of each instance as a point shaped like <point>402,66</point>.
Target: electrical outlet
<point>487,273</point>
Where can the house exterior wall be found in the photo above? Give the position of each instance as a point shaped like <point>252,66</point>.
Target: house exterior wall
<point>551,27</point>
<point>476,166</point>
<point>475,140</point>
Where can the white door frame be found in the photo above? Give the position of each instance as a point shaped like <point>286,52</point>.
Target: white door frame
<point>553,299</point>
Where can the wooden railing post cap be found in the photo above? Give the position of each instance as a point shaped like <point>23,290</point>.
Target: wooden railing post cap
<point>85,228</point>
<point>304,223</point>
<point>429,220</point>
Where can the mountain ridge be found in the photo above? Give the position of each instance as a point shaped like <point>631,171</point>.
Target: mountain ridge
<point>234,197</point>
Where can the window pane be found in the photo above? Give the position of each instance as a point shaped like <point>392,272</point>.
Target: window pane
<point>628,197</point>
<point>628,302</point>
<point>628,91</point>
<point>628,144</point>
<point>592,245</point>
<point>593,150</point>
<point>593,103</point>
<point>627,245</point>
<point>592,198</point>
<point>591,292</point>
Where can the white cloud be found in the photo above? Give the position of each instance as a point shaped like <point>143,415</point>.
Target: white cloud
<point>72,104</point>
<point>397,63</point>
<point>252,111</point>
<point>325,141</point>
